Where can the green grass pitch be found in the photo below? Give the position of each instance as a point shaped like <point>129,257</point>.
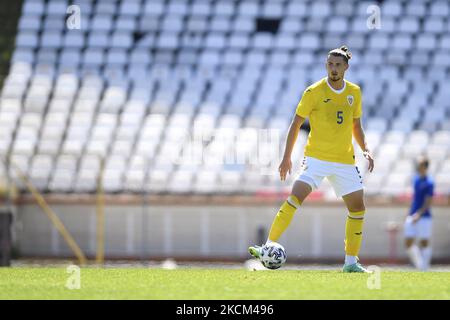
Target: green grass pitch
<point>150,283</point>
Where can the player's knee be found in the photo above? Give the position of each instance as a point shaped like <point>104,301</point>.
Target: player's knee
<point>355,201</point>
<point>423,243</point>
<point>301,190</point>
<point>409,242</point>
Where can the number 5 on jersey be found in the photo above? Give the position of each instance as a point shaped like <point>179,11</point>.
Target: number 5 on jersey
<point>340,118</point>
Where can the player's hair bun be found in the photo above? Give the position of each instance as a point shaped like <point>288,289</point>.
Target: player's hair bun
<point>347,52</point>
<point>341,52</point>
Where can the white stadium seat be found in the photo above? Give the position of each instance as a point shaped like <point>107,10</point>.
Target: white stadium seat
<point>140,76</point>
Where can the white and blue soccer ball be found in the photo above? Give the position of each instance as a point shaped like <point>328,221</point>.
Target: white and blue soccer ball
<point>273,255</point>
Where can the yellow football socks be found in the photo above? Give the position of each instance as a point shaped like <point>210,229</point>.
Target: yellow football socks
<point>283,217</point>
<point>353,232</point>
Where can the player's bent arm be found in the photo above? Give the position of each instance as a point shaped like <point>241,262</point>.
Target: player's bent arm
<point>358,134</point>
<point>294,129</point>
<point>286,163</point>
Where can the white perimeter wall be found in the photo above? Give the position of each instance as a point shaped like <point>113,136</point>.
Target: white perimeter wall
<point>214,231</point>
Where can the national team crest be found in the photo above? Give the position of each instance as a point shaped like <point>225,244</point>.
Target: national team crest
<point>350,100</point>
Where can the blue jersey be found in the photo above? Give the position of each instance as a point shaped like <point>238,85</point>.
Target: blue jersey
<point>423,187</point>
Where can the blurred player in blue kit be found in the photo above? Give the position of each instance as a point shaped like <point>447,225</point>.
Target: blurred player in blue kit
<point>418,224</point>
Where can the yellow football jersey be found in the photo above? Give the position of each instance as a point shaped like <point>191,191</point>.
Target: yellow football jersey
<point>331,115</point>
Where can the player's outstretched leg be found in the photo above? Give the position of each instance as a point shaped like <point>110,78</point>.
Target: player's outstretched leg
<point>285,214</point>
<point>354,231</point>
<point>280,223</point>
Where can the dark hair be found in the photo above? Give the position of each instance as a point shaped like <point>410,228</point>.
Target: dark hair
<point>341,52</point>
<point>423,160</point>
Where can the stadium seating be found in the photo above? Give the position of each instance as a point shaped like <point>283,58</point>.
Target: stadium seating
<point>141,79</point>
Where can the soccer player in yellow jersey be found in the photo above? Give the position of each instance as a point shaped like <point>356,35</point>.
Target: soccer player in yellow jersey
<point>334,108</point>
